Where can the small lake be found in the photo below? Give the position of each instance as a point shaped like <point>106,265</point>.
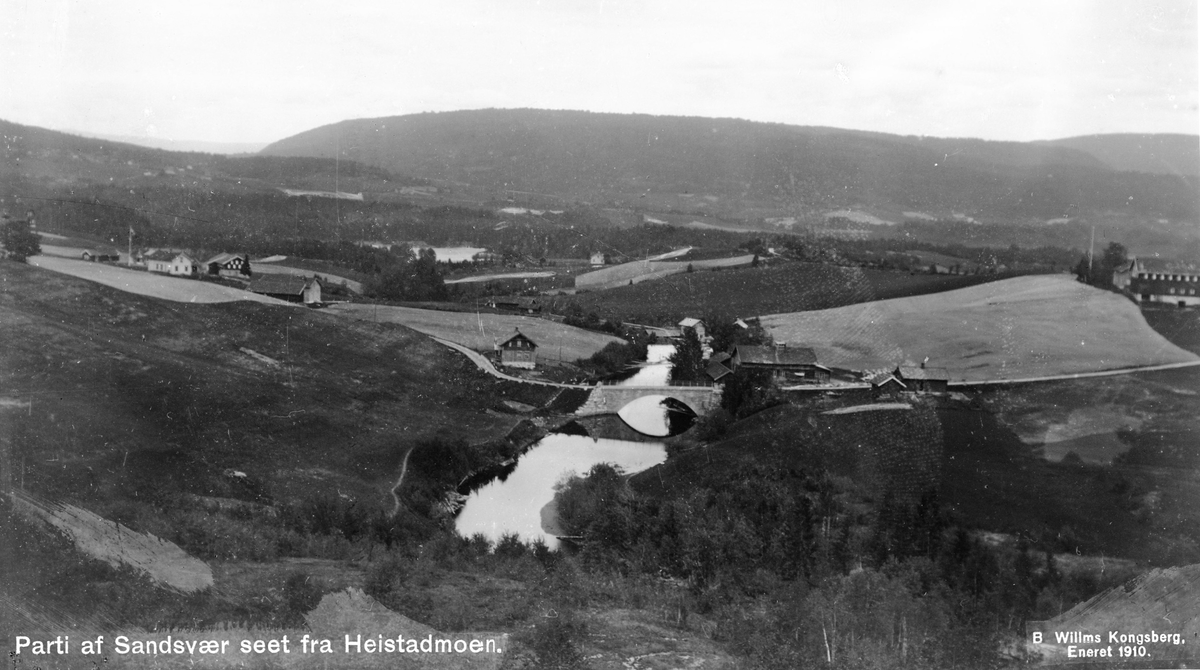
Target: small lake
<point>453,254</point>
<point>518,504</point>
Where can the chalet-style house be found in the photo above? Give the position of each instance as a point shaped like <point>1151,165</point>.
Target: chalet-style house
<point>1159,281</point>
<point>233,266</point>
<point>598,259</point>
<point>292,288</point>
<point>788,366</point>
<point>518,351</point>
<point>923,379</point>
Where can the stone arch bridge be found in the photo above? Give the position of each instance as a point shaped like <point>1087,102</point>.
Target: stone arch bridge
<point>607,399</point>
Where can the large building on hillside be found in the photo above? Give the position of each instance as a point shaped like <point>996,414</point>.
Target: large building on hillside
<point>788,366</point>
<point>1159,281</point>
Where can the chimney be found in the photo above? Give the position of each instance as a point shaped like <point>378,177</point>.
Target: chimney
<point>924,362</point>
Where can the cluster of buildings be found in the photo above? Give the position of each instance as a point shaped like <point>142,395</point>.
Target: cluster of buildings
<point>291,288</point>
<point>1154,280</point>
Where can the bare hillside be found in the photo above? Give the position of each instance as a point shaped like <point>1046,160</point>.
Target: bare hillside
<point>1021,327</point>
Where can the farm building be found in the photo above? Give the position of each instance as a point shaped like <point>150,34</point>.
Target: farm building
<point>235,266</point>
<point>886,383</point>
<point>693,324</point>
<point>788,365</point>
<point>523,304</point>
<point>1157,281</point>
<point>923,379</point>
<point>487,257</point>
<point>158,261</point>
<point>518,351</point>
<point>598,259</point>
<point>292,288</point>
<point>717,371</point>
<point>101,255</point>
<point>184,265</point>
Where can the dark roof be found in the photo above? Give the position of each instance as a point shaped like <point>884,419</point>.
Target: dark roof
<point>719,357</point>
<point>519,336</point>
<point>274,284</point>
<point>778,355</point>
<point>716,371</point>
<point>927,374</point>
<point>883,378</point>
<point>225,258</point>
<point>159,255</point>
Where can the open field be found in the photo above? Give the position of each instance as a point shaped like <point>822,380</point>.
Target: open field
<point>153,285</point>
<point>1021,327</point>
<point>635,272</point>
<point>271,268</point>
<point>480,331</point>
<point>745,292</point>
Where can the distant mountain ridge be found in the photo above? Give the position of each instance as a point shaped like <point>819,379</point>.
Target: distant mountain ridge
<point>623,157</point>
<point>178,145</point>
<point>1160,153</point>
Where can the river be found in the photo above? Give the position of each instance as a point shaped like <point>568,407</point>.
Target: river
<point>521,502</point>
<point>656,371</point>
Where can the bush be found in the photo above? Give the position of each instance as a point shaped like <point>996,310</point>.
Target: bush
<point>301,592</point>
<point>554,641</point>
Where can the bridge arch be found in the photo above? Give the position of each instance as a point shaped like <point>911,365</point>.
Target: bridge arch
<point>606,399</point>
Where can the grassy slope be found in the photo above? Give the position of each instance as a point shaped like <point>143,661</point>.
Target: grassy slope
<point>1020,327</point>
<point>788,287</point>
<point>133,390</point>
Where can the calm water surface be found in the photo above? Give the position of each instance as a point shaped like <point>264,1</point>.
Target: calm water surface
<point>515,504</point>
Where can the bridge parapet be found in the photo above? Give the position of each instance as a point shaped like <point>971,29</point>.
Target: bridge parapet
<point>607,399</point>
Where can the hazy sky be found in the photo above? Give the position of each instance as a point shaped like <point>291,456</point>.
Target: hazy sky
<point>257,71</point>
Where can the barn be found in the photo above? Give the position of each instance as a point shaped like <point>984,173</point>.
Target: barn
<point>788,366</point>
<point>923,379</point>
<point>292,288</point>
<point>518,351</point>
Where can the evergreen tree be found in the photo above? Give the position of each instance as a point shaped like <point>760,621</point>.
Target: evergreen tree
<point>19,241</point>
<point>687,363</point>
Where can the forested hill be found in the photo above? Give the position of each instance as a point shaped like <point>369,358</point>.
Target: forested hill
<point>1161,153</point>
<point>622,157</point>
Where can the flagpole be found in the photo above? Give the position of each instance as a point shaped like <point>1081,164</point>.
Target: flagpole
<point>129,250</point>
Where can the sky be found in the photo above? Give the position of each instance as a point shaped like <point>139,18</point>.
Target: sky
<point>261,70</point>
